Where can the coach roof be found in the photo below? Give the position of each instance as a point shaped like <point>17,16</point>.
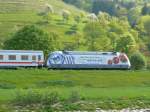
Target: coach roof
<point>20,51</point>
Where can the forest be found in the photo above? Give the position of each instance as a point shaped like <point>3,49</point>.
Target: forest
<point>121,17</point>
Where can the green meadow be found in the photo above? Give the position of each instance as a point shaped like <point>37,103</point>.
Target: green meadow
<point>92,85</point>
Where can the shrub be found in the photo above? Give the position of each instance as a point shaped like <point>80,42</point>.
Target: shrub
<point>138,61</point>
<point>49,8</point>
<point>148,66</point>
<point>33,97</point>
<point>74,97</point>
<point>65,14</point>
<point>50,98</point>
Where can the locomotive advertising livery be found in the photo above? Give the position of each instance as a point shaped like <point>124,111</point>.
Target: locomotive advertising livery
<point>88,60</point>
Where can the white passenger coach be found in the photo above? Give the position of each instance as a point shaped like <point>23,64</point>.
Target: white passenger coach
<point>21,58</point>
<point>88,60</point>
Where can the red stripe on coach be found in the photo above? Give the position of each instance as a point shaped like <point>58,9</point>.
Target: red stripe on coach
<point>21,62</point>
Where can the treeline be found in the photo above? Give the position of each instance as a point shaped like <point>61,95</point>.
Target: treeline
<point>118,8</point>
<point>109,6</point>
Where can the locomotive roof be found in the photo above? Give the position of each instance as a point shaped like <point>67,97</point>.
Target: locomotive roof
<point>89,52</point>
<point>20,51</point>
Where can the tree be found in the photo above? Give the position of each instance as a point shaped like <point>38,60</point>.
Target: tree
<point>46,13</point>
<point>96,37</point>
<point>77,19</point>
<point>92,17</point>
<point>116,28</point>
<point>65,15</point>
<point>133,16</point>
<point>129,4</point>
<point>145,9</point>
<point>104,18</point>
<point>121,12</point>
<point>83,4</point>
<point>78,40</point>
<point>113,38</point>
<point>103,5</point>
<point>32,38</point>
<point>138,61</point>
<point>144,27</point>
<point>49,8</point>
<point>126,43</point>
<point>146,23</point>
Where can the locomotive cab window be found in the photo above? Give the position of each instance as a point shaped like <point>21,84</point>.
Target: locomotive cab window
<point>34,58</point>
<point>12,57</point>
<point>1,57</point>
<point>24,57</point>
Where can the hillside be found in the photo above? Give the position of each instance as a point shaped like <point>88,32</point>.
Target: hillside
<point>16,13</point>
<point>15,6</point>
<point>110,26</point>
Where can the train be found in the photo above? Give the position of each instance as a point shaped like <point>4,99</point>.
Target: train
<point>64,59</point>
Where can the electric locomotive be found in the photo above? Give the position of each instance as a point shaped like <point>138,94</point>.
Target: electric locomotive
<point>87,60</point>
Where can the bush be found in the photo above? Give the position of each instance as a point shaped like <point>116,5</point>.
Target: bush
<point>148,66</point>
<point>65,14</point>
<point>74,97</point>
<point>33,97</point>
<point>28,98</point>
<point>50,98</point>
<point>138,61</point>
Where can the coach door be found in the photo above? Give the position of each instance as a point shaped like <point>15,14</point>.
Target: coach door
<point>1,59</point>
<point>33,59</point>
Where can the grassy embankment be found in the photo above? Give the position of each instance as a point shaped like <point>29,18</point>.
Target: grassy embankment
<point>116,89</point>
<point>17,13</point>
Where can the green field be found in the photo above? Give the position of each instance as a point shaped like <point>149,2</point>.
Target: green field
<point>90,84</point>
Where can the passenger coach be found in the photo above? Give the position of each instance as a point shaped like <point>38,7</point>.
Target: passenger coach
<point>88,60</point>
<point>21,58</point>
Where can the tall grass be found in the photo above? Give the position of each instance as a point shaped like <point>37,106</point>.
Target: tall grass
<point>52,101</point>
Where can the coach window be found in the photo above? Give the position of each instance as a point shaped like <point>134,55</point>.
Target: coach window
<point>34,58</point>
<point>12,57</point>
<point>1,57</point>
<point>39,57</point>
<point>24,57</point>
